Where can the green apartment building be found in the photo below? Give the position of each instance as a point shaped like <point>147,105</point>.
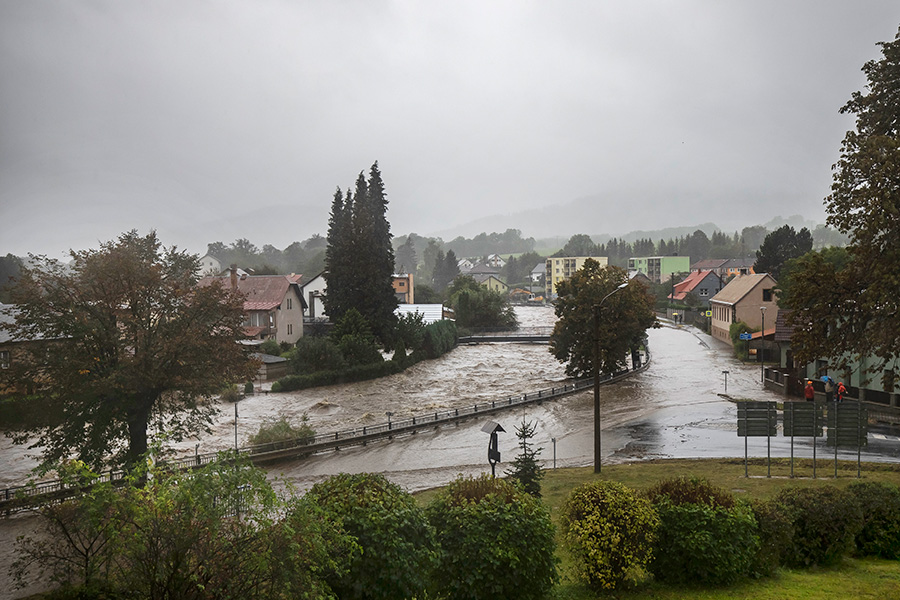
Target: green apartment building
<point>660,268</point>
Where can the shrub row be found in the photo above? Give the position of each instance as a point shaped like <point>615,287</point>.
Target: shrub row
<point>351,537</point>
<point>687,531</point>
<point>439,338</point>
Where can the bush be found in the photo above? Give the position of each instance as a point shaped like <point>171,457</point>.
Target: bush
<point>825,523</point>
<point>359,350</point>
<point>609,532</point>
<point>248,388</point>
<point>231,394</point>
<point>880,505</point>
<point>270,346</point>
<point>704,536</point>
<point>312,355</point>
<point>398,546</point>
<point>282,430</point>
<point>775,538</point>
<point>496,542</point>
<point>440,337</point>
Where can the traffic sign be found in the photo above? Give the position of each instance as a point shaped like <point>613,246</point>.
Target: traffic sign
<point>746,336</point>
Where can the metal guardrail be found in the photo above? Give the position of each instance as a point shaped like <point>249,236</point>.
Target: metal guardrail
<point>23,497</point>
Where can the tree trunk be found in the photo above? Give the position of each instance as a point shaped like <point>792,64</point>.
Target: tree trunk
<point>138,419</point>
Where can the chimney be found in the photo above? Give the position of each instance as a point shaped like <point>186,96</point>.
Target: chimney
<point>233,277</point>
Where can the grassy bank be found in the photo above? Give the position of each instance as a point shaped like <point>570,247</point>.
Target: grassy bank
<point>852,578</point>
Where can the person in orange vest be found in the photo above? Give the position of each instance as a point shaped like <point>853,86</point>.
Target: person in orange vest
<point>841,392</point>
<point>809,391</point>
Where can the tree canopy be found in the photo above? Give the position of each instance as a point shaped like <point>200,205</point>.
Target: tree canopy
<point>780,246</point>
<point>477,307</point>
<point>359,260</point>
<point>624,319</point>
<point>126,337</point>
<point>848,313</point>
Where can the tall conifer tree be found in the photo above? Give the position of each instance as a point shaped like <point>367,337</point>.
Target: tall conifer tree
<point>360,256</point>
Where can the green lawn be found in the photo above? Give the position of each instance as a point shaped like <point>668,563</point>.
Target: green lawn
<point>853,578</point>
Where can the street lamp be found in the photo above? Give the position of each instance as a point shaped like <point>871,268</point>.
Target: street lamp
<point>762,341</point>
<point>726,380</point>
<point>389,415</point>
<point>597,376</point>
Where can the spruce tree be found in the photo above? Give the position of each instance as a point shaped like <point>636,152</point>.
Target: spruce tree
<point>360,258</point>
<point>525,468</point>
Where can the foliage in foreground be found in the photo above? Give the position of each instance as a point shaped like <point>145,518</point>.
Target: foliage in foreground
<point>180,535</point>
<point>496,542</point>
<point>610,532</point>
<point>398,543</point>
<point>825,523</point>
<point>704,536</point>
<point>526,470</point>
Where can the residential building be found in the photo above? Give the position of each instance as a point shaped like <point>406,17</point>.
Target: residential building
<point>403,288</point>
<point>558,269</point>
<point>702,284</point>
<point>492,282</point>
<point>273,305</point>
<point>862,378</point>
<point>210,265</point>
<point>742,300</point>
<point>726,267</point>
<point>314,292</point>
<point>660,268</point>
<point>496,261</point>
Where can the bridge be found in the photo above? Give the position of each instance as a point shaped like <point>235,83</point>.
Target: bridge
<point>523,334</point>
<point>25,497</point>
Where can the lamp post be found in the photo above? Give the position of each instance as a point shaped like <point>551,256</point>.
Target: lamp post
<point>726,380</point>
<point>597,306</point>
<point>762,341</point>
<point>389,415</point>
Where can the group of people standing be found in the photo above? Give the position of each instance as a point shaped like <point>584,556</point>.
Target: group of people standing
<point>832,392</point>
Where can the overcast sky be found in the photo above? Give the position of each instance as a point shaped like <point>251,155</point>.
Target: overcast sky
<point>212,120</point>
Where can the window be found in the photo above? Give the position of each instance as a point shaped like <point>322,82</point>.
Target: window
<point>290,329</point>
<point>4,359</point>
<point>289,303</point>
<point>401,284</point>
<point>767,295</point>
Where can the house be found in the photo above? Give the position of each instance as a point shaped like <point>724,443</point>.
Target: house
<point>746,298</point>
<point>660,268</point>
<point>492,282</point>
<point>537,272</point>
<point>862,378</point>
<point>481,269</point>
<point>13,350</point>
<point>496,261</point>
<point>210,265</point>
<point>726,267</point>
<point>270,367</point>
<point>273,305</point>
<point>403,288</point>
<point>465,264</point>
<point>313,292</point>
<point>557,269</point>
<point>702,284</point>
<point>430,312</point>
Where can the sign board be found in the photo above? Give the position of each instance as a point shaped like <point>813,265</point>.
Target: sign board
<point>746,336</point>
<point>803,419</point>
<point>709,313</point>
<point>757,419</point>
<point>848,424</point>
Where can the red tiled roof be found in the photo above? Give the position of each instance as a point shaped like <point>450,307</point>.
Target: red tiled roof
<point>262,292</point>
<point>688,284</point>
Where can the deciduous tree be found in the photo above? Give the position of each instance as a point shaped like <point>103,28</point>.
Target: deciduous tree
<point>624,319</point>
<point>850,313</point>
<point>780,246</point>
<point>128,337</point>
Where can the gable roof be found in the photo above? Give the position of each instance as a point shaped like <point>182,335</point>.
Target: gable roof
<point>262,292</point>
<point>708,264</point>
<point>740,286</point>
<point>689,283</point>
